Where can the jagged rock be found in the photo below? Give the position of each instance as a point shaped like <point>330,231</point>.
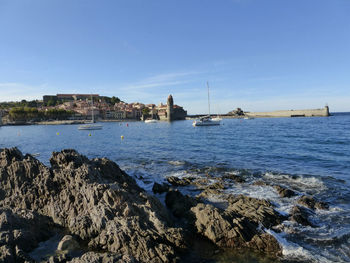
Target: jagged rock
<point>284,192</point>
<point>300,215</point>
<point>20,232</point>
<point>228,229</point>
<point>180,181</point>
<point>160,188</point>
<point>312,203</point>
<point>95,200</point>
<point>68,243</point>
<point>178,203</point>
<point>256,210</point>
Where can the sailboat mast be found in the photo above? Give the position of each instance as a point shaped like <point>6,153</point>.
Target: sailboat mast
<point>92,110</point>
<point>208,99</point>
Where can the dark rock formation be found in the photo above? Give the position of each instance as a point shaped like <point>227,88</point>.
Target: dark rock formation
<point>180,181</point>
<point>117,221</point>
<point>301,215</point>
<point>234,177</point>
<point>160,188</point>
<point>178,203</point>
<point>284,192</point>
<point>312,203</point>
<point>94,200</point>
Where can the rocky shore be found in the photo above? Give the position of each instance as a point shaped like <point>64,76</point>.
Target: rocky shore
<point>100,214</point>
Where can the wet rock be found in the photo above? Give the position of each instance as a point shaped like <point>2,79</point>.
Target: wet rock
<point>228,229</point>
<point>284,192</point>
<point>300,215</point>
<point>160,188</point>
<point>217,186</point>
<point>261,183</point>
<point>234,177</point>
<point>94,200</point>
<point>180,181</point>
<point>256,210</point>
<point>178,203</point>
<point>312,203</point>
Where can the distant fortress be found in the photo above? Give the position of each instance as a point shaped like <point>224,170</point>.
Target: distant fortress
<point>324,112</point>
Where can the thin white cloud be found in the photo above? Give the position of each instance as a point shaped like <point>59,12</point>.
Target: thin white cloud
<point>12,91</point>
<point>163,80</point>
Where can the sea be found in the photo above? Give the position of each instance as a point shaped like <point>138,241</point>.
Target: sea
<point>308,155</point>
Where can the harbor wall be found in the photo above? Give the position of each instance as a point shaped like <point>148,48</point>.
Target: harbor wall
<point>324,112</point>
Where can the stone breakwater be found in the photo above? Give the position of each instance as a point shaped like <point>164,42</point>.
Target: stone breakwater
<point>106,217</point>
<point>324,112</point>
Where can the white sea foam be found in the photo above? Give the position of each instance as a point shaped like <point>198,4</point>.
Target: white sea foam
<point>300,182</point>
<point>177,163</point>
<point>259,192</point>
<point>294,251</point>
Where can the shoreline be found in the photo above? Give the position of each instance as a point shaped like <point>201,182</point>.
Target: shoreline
<point>142,226</point>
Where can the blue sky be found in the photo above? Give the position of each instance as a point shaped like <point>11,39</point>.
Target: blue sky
<point>256,54</point>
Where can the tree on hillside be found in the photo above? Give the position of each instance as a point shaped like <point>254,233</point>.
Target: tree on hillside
<point>145,111</point>
<point>115,100</point>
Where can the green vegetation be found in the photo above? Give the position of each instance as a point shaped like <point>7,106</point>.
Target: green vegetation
<point>110,100</point>
<point>22,103</point>
<point>145,111</point>
<point>29,113</point>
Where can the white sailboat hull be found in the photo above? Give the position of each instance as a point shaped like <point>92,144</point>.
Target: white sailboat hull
<point>206,123</point>
<point>90,127</point>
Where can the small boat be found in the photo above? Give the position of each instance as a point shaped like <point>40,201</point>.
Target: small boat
<point>207,120</point>
<point>91,125</point>
<point>248,118</point>
<point>151,121</point>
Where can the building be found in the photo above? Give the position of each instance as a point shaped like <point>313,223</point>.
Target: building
<point>171,112</point>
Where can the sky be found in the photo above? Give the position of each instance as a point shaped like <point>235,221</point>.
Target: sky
<point>259,55</point>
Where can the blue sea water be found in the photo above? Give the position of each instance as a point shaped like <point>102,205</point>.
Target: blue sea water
<point>308,155</point>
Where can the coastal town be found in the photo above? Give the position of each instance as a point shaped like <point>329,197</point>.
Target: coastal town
<point>80,107</point>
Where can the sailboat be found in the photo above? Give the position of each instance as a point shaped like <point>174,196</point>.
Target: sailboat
<point>92,125</point>
<point>207,120</point>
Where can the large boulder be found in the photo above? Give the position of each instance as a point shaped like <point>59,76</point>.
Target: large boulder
<point>94,200</point>
<point>256,210</point>
<point>228,229</point>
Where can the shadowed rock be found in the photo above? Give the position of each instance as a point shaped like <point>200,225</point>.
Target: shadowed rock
<point>160,188</point>
<point>20,231</point>
<point>178,203</point>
